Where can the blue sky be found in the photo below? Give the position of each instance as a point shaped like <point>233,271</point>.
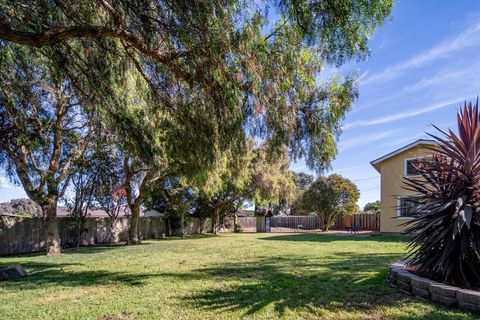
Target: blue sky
<point>424,63</point>
<point>422,66</point>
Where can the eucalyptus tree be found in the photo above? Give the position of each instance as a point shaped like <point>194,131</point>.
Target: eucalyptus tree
<point>46,129</point>
<point>225,60</point>
<point>272,182</point>
<point>228,184</point>
<point>217,72</point>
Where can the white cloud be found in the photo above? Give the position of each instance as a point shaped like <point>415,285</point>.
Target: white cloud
<point>348,168</point>
<point>400,115</point>
<point>405,140</point>
<point>366,139</point>
<point>468,38</point>
<point>5,184</point>
<point>363,75</point>
<point>460,81</point>
<point>445,78</point>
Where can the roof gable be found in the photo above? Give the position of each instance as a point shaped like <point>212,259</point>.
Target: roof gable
<point>414,144</point>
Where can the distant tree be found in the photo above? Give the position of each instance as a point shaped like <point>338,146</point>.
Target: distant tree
<point>302,180</point>
<point>227,184</point>
<point>373,207</point>
<point>45,129</point>
<point>174,200</point>
<point>331,196</point>
<point>109,194</point>
<point>260,176</point>
<point>272,182</point>
<point>21,207</point>
<point>83,184</point>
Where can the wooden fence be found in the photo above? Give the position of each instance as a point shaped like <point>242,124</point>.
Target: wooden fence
<point>297,222</point>
<point>25,235</point>
<point>365,221</point>
<point>248,223</point>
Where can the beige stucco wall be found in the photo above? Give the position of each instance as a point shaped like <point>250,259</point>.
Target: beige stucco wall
<point>392,173</point>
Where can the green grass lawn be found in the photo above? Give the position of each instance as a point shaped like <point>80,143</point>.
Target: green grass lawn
<point>252,276</point>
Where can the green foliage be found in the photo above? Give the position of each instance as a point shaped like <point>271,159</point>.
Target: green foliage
<point>272,182</point>
<point>215,69</point>
<point>444,245</point>
<point>237,228</point>
<point>303,180</point>
<point>184,87</point>
<point>373,207</point>
<point>330,196</point>
<point>171,197</point>
<point>340,28</point>
<point>44,124</point>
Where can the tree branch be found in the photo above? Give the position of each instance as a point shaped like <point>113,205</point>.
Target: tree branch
<point>57,35</point>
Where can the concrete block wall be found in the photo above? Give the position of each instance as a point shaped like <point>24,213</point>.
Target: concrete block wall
<point>437,292</point>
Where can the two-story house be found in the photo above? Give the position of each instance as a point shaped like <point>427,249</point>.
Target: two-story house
<point>393,167</point>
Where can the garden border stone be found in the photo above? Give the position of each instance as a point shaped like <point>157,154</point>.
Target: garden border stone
<point>450,296</point>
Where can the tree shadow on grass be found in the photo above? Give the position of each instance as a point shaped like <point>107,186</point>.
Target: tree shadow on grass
<point>318,237</point>
<point>53,274</point>
<point>96,248</point>
<point>309,287</point>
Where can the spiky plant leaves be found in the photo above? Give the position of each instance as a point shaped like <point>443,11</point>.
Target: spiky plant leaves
<point>445,236</point>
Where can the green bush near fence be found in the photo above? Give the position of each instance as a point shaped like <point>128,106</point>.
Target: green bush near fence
<point>232,276</point>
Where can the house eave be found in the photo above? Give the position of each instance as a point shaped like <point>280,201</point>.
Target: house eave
<point>375,163</point>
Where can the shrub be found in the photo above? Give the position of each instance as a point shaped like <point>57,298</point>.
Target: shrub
<point>237,228</point>
<point>445,237</point>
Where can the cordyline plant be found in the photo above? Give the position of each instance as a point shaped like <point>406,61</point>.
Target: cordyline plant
<point>445,236</point>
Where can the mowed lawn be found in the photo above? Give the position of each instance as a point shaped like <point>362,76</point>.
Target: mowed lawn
<point>251,276</point>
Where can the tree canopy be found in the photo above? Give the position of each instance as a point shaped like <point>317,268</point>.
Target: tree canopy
<point>221,64</point>
<point>179,88</point>
<point>372,207</point>
<point>331,196</point>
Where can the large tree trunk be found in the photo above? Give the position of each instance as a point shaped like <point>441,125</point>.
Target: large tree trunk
<point>216,221</point>
<point>50,228</point>
<point>133,230</point>
<point>235,219</point>
<point>169,226</point>
<point>182,225</point>
<point>328,222</point>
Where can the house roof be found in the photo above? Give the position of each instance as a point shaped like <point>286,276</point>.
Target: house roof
<point>97,213</point>
<point>402,149</point>
<point>244,213</point>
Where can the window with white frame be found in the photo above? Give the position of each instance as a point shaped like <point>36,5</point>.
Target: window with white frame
<point>409,167</point>
<point>406,206</point>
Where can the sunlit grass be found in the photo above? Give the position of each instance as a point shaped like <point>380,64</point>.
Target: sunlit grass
<point>255,276</point>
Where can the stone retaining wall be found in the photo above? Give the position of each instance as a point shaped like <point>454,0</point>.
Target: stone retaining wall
<point>427,289</point>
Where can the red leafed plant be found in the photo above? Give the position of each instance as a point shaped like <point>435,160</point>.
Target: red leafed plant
<point>445,236</point>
